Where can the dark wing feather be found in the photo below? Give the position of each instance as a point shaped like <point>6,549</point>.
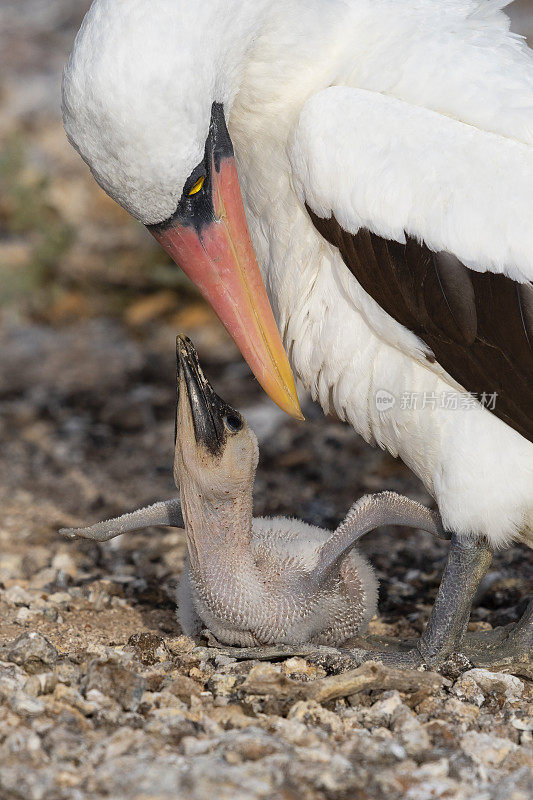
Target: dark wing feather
<point>477,325</point>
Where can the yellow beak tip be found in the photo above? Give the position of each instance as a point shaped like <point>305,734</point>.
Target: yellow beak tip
<point>291,405</point>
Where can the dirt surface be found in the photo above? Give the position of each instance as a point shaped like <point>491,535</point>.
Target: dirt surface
<point>100,694</point>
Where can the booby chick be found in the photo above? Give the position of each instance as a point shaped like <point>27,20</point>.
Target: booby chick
<point>255,581</point>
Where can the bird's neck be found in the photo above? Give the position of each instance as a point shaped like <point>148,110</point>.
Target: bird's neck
<point>219,531</point>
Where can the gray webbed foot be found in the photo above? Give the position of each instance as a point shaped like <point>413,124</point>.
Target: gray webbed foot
<point>511,644</point>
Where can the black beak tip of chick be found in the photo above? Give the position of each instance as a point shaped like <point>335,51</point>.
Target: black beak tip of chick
<point>207,408</point>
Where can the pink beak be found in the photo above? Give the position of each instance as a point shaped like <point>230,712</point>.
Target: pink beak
<point>218,257</point>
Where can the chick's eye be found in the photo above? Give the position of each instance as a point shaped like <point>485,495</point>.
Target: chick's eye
<point>233,423</point>
<point>197,186</point>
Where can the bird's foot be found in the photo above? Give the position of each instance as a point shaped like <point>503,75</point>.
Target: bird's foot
<point>506,648</point>
<point>394,654</point>
<point>502,647</point>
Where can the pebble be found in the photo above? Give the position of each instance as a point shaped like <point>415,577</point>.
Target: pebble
<point>17,596</point>
<point>45,683</point>
<point>33,651</point>
<point>486,750</point>
<point>411,733</point>
<point>117,682</point>
<point>148,647</point>
<point>475,684</point>
<point>380,713</point>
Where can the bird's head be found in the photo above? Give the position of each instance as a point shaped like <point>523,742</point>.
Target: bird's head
<point>146,96</point>
<point>215,452</point>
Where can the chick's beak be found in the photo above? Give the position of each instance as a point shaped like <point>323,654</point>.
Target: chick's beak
<point>197,401</point>
<point>209,239</point>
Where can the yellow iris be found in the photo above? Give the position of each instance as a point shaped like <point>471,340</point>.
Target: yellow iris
<point>197,186</point>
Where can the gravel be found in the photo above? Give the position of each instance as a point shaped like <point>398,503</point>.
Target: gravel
<point>122,722</point>
<point>101,696</point>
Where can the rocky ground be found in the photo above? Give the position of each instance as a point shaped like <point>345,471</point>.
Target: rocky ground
<point>100,694</point>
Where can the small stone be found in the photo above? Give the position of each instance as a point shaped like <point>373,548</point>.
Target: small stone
<point>11,680</point>
<point>10,566</point>
<point>299,669</point>
<point>172,723</point>
<point>123,740</point>
<point>474,684</point>
<point>69,695</point>
<point>429,706</point>
<point>465,713</point>
<point>32,651</point>
<point>65,563</point>
<point>456,664</point>
<point>380,713</point>
<point>467,689</point>
<point>51,613</point>
<point>184,688</point>
<point>101,701</point>
<point>43,578</point>
<point>222,684</point>
<point>180,645</point>
<point>60,598</point>
<point>486,750</point>
<point>36,685</point>
<point>17,596</point>
<point>522,721</point>
<point>26,706</point>
<point>412,734</point>
<point>433,769</point>
<point>24,615</point>
<point>116,681</point>
<point>23,741</point>
<point>294,732</point>
<point>148,647</point>
<point>68,673</point>
<point>311,712</point>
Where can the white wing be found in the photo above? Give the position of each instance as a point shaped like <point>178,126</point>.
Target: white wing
<point>434,218</point>
<point>381,163</point>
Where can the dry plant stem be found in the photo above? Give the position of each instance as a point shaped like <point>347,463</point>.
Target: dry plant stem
<point>370,675</point>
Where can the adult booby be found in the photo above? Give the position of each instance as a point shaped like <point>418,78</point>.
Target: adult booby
<point>256,581</point>
<point>385,159</point>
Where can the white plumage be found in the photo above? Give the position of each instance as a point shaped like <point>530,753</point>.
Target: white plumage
<point>450,184</point>
<point>398,115</point>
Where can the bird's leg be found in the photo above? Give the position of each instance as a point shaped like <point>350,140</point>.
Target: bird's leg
<point>467,563</point>
<point>167,513</point>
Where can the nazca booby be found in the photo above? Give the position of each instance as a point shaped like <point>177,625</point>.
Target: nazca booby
<point>257,581</point>
<point>385,159</point>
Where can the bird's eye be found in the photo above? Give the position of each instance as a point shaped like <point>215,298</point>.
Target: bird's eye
<point>197,186</point>
<point>233,423</point>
